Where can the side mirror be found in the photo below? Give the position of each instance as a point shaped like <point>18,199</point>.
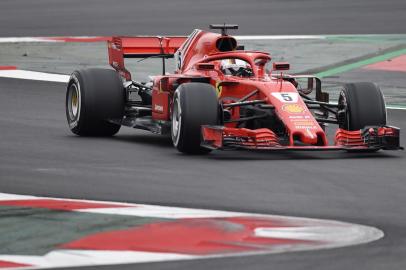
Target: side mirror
<point>278,66</point>
<point>205,66</point>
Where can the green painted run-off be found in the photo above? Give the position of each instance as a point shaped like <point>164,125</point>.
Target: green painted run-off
<point>358,64</point>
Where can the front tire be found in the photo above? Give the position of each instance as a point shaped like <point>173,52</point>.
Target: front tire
<point>194,105</point>
<point>360,105</point>
<point>93,97</point>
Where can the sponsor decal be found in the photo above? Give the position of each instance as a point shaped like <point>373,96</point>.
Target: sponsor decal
<point>303,123</point>
<point>305,127</point>
<point>293,108</point>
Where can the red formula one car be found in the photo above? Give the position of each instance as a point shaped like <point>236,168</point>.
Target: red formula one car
<point>223,97</point>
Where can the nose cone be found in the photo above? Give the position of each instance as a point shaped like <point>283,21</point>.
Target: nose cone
<point>308,136</point>
<point>297,118</point>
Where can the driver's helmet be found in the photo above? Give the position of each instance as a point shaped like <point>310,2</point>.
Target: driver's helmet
<point>236,67</point>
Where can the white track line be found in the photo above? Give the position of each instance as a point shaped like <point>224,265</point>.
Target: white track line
<point>45,39</point>
<point>23,40</point>
<point>155,211</point>
<point>84,38</point>
<point>239,37</point>
<point>34,75</point>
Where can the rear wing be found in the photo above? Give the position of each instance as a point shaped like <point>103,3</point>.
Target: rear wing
<point>141,47</point>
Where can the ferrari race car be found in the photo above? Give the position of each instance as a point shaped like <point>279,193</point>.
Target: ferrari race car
<point>223,97</point>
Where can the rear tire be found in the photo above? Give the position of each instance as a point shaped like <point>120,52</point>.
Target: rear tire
<point>360,105</point>
<point>93,97</point>
<point>194,105</point>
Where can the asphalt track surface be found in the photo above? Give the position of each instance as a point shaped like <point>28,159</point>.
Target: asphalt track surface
<point>40,156</point>
<point>158,17</point>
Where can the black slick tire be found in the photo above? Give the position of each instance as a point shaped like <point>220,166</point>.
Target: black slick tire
<point>362,104</point>
<point>93,97</point>
<point>194,105</point>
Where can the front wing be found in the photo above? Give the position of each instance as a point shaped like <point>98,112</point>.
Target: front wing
<point>369,138</point>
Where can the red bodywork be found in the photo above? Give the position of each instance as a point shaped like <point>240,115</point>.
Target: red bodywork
<point>198,57</point>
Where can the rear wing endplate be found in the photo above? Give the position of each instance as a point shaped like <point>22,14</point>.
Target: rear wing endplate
<point>141,47</point>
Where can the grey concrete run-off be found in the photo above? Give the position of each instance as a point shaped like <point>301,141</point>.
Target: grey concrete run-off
<point>305,56</point>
